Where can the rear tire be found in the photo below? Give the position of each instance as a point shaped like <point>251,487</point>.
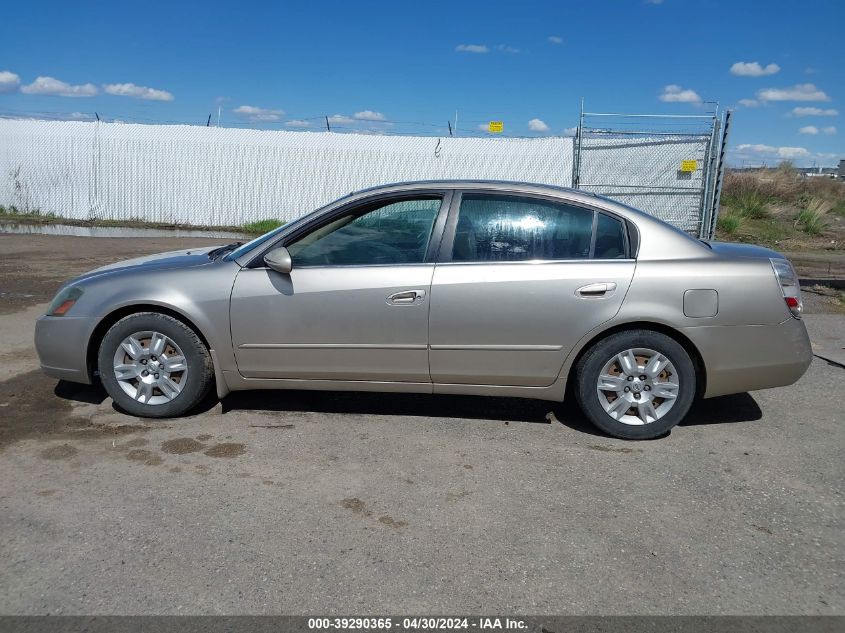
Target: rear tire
<point>154,366</point>
<point>635,384</point>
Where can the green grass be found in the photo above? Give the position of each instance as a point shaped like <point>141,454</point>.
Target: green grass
<point>839,209</point>
<point>749,204</point>
<point>261,226</point>
<point>13,212</point>
<point>729,223</point>
<point>812,218</point>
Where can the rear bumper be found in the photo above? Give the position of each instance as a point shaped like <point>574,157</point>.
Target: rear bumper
<point>62,346</point>
<point>749,357</point>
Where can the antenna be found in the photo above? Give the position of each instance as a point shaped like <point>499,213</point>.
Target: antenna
<point>218,116</point>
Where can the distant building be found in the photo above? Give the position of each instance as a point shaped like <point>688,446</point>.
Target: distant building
<point>842,167</point>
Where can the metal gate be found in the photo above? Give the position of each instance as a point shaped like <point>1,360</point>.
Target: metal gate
<point>667,165</point>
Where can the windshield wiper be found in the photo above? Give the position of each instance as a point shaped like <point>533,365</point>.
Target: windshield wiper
<point>218,252</point>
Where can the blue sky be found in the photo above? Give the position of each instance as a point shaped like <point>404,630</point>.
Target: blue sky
<point>406,67</point>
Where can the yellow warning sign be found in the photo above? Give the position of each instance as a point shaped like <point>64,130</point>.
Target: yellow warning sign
<point>496,127</point>
<point>689,165</point>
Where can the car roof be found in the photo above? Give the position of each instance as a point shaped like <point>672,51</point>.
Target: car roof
<point>493,185</point>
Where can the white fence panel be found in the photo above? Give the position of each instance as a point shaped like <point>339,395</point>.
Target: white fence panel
<point>223,176</point>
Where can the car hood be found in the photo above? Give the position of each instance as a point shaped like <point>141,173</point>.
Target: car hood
<point>187,258</point>
<point>731,249</point>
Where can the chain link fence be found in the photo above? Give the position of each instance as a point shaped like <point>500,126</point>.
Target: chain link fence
<point>665,165</point>
<point>207,176</point>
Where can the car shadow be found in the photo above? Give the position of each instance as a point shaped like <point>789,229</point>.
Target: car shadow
<point>739,407</point>
<point>731,409</point>
<point>88,394</point>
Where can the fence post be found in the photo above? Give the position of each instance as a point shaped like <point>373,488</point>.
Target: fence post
<point>576,149</point>
<point>720,173</point>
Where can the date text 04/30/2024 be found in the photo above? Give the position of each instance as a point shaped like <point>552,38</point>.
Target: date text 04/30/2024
<point>416,623</point>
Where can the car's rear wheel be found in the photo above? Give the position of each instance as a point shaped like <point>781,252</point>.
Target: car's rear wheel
<point>153,365</point>
<point>636,384</point>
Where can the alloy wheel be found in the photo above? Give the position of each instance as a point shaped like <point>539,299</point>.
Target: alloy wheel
<point>150,367</point>
<point>638,386</point>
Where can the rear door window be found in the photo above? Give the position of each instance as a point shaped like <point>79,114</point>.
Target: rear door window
<point>501,228</point>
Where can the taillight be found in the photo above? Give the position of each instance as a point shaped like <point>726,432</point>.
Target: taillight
<point>789,286</point>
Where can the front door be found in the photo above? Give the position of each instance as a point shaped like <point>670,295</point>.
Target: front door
<point>521,282</point>
<point>354,306</point>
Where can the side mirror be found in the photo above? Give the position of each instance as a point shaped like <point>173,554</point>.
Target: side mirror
<point>279,260</point>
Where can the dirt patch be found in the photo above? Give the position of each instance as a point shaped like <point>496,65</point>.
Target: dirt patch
<point>356,505</point>
<point>761,528</point>
<point>611,449</point>
<point>147,457</point>
<point>455,496</point>
<point>226,450</point>
<point>46,493</point>
<point>468,466</point>
<point>62,451</point>
<point>176,469</point>
<point>204,437</point>
<point>181,446</point>
<point>35,412</point>
<point>391,522</point>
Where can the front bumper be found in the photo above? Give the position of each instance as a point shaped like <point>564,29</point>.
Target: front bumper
<point>62,346</point>
<point>748,357</point>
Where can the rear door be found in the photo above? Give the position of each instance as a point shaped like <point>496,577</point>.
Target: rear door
<point>355,304</point>
<point>519,281</point>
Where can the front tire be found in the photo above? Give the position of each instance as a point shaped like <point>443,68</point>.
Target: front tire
<point>636,384</point>
<point>154,366</point>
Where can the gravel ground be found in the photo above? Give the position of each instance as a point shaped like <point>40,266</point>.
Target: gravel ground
<point>307,502</point>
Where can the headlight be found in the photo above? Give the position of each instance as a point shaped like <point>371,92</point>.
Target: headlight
<point>64,301</point>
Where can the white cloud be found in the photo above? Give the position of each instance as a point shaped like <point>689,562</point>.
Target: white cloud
<point>81,116</point>
<point>675,94</point>
<point>753,69</point>
<point>809,129</point>
<point>9,81</point>
<point>830,130</point>
<point>786,153</point>
<point>298,123</point>
<point>810,111</point>
<point>749,103</point>
<point>555,39</point>
<point>55,87</point>
<point>799,92</point>
<point>538,125</point>
<point>257,115</point>
<point>369,115</point>
<point>570,131</point>
<point>472,48</point>
<point>138,92</point>
<point>652,1</point>
<point>507,49</point>
<point>340,119</point>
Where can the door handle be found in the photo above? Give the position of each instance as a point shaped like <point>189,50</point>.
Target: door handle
<point>406,298</point>
<point>596,290</point>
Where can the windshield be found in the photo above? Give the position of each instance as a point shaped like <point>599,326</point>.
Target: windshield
<point>246,248</point>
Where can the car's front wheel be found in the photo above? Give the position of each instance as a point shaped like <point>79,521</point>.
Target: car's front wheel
<point>153,365</point>
<point>636,384</point>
